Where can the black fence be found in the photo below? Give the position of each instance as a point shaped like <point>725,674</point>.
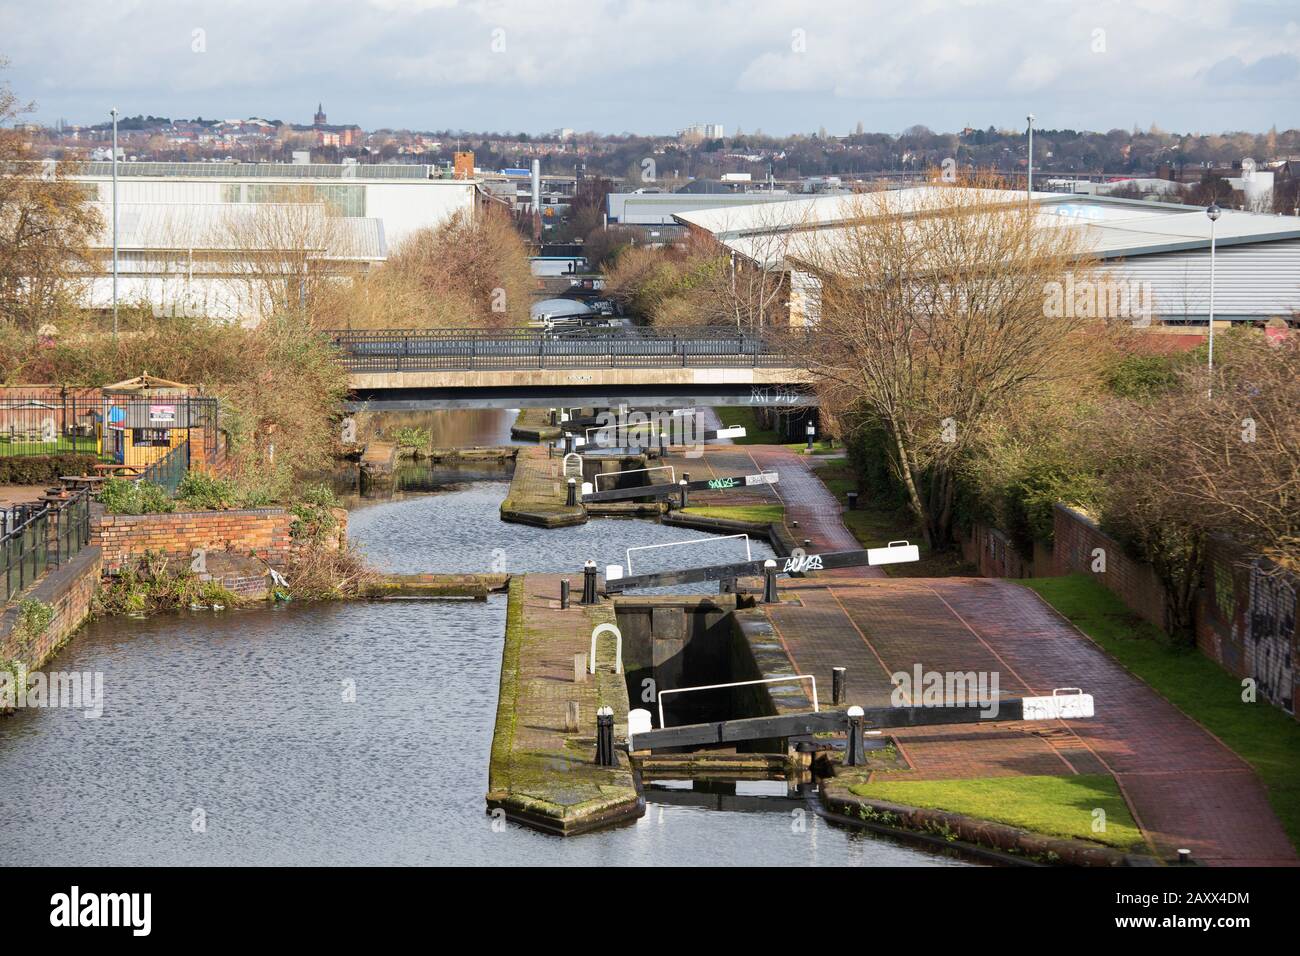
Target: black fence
<point>82,421</point>
<point>427,350</point>
<point>39,537</point>
<point>168,471</point>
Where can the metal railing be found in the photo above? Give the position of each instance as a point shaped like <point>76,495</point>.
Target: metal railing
<point>424,350</point>
<point>79,421</point>
<point>168,471</point>
<point>40,537</point>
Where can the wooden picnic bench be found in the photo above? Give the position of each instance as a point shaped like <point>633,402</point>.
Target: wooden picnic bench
<point>77,482</point>
<point>130,472</point>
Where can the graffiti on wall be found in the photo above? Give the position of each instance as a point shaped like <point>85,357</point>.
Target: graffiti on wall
<point>1270,634</point>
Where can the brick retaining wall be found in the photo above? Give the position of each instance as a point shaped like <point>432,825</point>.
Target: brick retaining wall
<point>1077,541</point>
<point>70,590</point>
<point>1247,614</point>
<point>260,531</point>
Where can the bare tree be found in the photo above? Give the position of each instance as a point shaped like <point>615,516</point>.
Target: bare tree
<point>279,255</point>
<point>46,223</point>
<point>934,320</point>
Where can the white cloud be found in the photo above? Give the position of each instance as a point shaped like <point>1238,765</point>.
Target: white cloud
<point>637,64</point>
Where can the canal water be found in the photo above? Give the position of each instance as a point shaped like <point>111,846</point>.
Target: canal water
<point>357,733</point>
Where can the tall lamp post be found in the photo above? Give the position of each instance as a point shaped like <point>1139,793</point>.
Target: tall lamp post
<point>1213,212</point>
<point>113,112</point>
<point>1030,187</point>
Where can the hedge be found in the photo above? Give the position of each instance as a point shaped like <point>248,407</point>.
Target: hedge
<point>38,469</point>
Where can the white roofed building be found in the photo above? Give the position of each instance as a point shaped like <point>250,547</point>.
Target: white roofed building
<point>191,235</point>
<point>1257,266</point>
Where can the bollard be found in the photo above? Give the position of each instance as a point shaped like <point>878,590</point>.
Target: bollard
<point>839,685</point>
<point>855,751</point>
<point>550,449</point>
<point>769,582</point>
<point>853,500</point>
<point>553,419</point>
<point>589,583</point>
<point>682,485</point>
<point>571,717</point>
<point>580,668</point>
<point>1184,857</point>
<point>807,543</point>
<point>571,496</point>
<point>810,431</point>
<point>569,440</point>
<point>564,594</point>
<point>605,737</point>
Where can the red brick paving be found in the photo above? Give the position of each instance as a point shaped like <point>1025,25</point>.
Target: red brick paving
<point>807,501</point>
<point>1185,788</point>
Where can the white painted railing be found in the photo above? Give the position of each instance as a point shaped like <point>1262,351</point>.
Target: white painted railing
<point>749,555</point>
<point>598,630</point>
<point>740,683</point>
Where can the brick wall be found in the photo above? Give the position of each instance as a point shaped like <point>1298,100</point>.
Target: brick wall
<point>1248,621</point>
<point>70,590</point>
<point>260,531</point>
<point>1077,541</point>
<point>263,532</point>
<point>1247,613</point>
<point>992,552</point>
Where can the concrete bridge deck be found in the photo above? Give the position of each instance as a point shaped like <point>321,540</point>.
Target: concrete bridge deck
<point>704,366</point>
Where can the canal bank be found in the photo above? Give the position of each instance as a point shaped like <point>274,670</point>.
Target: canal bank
<point>359,732</point>
<point>543,770</point>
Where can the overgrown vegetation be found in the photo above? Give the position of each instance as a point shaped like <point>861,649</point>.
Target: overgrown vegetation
<point>313,518</point>
<point>33,618</point>
<point>122,497</point>
<point>411,436</point>
<point>154,583</point>
<point>319,572</point>
<point>1262,735</point>
<point>204,491</point>
<point>468,272</point>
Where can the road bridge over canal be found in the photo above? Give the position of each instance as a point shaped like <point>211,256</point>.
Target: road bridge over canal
<point>450,368</point>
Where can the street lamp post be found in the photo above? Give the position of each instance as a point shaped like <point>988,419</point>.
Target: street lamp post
<point>1213,212</point>
<point>1030,188</point>
<point>113,111</point>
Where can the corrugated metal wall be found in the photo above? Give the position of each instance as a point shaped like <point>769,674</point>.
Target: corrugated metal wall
<point>1261,279</point>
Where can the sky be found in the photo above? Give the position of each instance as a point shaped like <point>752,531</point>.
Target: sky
<point>654,67</point>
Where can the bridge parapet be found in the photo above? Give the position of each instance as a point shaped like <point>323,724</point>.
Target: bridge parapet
<point>433,350</point>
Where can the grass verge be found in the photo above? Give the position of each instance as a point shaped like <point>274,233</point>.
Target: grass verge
<point>1259,733</point>
<point>733,415</point>
<point>763,514</point>
<point>1055,806</point>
